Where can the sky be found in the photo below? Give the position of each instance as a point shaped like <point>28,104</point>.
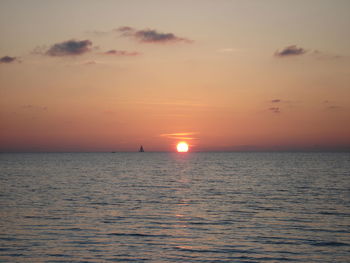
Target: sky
<point>221,75</point>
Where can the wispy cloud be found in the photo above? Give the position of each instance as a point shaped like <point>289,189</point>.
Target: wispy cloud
<point>334,107</point>
<point>150,35</point>
<point>282,101</point>
<point>90,62</point>
<point>276,105</point>
<point>69,48</point>
<point>326,55</point>
<point>275,101</point>
<point>97,33</point>
<point>274,109</point>
<point>331,105</point>
<point>114,52</point>
<point>180,135</point>
<point>8,59</point>
<point>182,104</point>
<point>292,50</point>
<point>228,50</point>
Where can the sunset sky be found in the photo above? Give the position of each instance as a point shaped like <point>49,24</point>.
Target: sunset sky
<point>220,75</point>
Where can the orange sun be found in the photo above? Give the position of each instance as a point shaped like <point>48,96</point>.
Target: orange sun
<point>182,147</point>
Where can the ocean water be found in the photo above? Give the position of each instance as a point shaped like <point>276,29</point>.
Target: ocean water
<point>170,207</point>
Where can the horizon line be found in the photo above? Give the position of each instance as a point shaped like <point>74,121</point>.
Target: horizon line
<point>346,150</point>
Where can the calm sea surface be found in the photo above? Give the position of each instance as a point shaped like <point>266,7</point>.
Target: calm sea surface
<point>163,207</point>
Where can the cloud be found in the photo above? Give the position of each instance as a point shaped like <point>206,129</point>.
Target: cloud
<point>90,62</point>
<point>125,29</point>
<point>275,109</point>
<point>180,135</point>
<point>294,50</point>
<point>39,50</point>
<point>331,105</point>
<point>275,105</point>
<point>8,59</point>
<point>98,33</point>
<point>275,100</point>
<point>121,53</point>
<point>150,35</point>
<point>228,50</point>
<point>69,48</point>
<point>334,107</point>
<point>290,51</point>
<point>326,55</point>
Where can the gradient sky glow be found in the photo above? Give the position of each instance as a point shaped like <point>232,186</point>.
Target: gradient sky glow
<point>222,75</point>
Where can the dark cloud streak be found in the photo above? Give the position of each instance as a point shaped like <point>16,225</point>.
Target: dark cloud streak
<point>69,48</point>
<point>150,35</point>
<point>121,53</point>
<point>8,59</point>
<point>290,51</point>
<point>334,107</point>
<point>275,109</point>
<point>275,100</point>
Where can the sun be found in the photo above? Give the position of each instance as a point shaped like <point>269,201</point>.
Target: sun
<point>182,147</point>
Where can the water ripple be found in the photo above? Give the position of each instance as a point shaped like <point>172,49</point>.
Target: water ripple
<point>160,207</point>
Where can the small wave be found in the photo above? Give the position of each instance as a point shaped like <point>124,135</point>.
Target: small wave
<point>329,244</point>
<point>8,239</point>
<point>218,251</point>
<point>72,229</point>
<point>278,259</point>
<point>13,255</point>
<point>333,213</point>
<point>327,230</point>
<point>205,223</point>
<point>279,242</point>
<point>100,203</point>
<point>127,259</point>
<point>59,255</point>
<point>137,235</point>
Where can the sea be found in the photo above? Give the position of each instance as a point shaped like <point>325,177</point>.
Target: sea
<point>175,207</point>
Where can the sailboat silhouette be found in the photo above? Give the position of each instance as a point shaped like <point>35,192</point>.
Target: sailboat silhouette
<point>141,149</point>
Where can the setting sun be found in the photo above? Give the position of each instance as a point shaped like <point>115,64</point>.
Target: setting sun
<point>182,147</point>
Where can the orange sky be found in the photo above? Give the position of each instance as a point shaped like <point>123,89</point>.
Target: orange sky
<point>221,75</point>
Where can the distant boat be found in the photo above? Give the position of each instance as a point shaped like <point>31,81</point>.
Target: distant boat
<point>141,149</point>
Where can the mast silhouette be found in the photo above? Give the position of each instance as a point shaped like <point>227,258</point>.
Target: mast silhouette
<point>141,149</point>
